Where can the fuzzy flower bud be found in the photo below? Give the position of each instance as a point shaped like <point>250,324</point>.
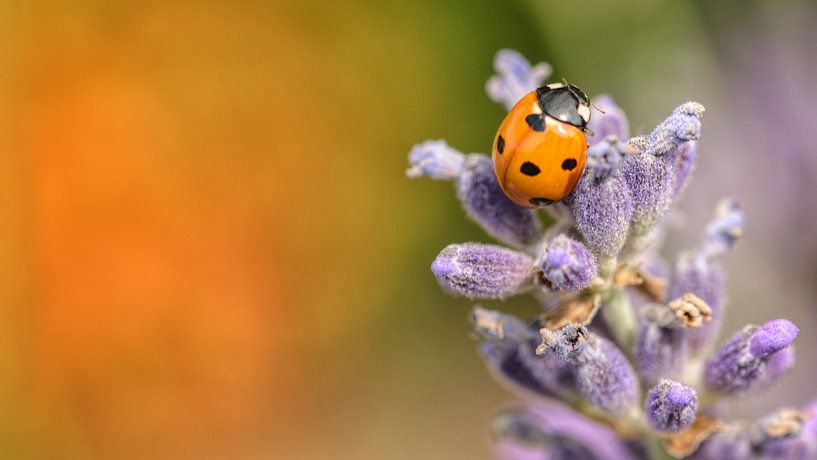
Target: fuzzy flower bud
<point>557,432</point>
<point>787,434</point>
<point>515,77</point>
<point>500,327</point>
<point>601,203</point>
<point>607,120</point>
<point>741,362</point>
<point>488,206</point>
<point>435,159</point>
<point>567,265</point>
<point>725,228</point>
<point>650,175</point>
<point>603,375</point>
<point>671,406</point>
<point>482,271</point>
<point>661,346</point>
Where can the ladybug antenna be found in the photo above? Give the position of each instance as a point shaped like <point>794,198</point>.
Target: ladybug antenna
<point>597,107</point>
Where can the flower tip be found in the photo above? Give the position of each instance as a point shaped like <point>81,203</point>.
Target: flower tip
<point>671,406</point>
<point>772,337</point>
<point>435,159</point>
<point>692,108</point>
<point>443,266</point>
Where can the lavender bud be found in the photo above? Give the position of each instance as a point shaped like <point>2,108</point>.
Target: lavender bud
<point>787,434</point>
<point>649,175</point>
<point>549,371</point>
<point>608,120</point>
<point>661,348</point>
<point>435,159</point>
<point>683,165</point>
<point>567,265</point>
<point>515,77</point>
<point>520,426</point>
<point>671,406</point>
<point>572,435</point>
<point>741,362</point>
<point>601,203</point>
<point>706,280</point>
<point>505,366</point>
<point>733,443</point>
<point>482,271</point>
<point>683,125</point>
<point>500,327</point>
<point>777,366</point>
<point>723,230</point>
<point>488,206</point>
<point>603,375</point>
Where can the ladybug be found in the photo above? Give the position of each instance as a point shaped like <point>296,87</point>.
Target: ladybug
<point>540,148</point>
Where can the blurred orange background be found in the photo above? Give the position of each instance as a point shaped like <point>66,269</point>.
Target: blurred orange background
<point>208,248</point>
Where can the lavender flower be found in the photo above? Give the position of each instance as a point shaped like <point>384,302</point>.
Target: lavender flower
<point>483,271</point>
<point>567,265</point>
<point>603,375</point>
<point>742,360</point>
<point>650,175</point>
<point>601,203</point>
<point>671,406</point>
<point>597,256</point>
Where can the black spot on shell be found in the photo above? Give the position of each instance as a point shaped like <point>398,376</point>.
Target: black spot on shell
<point>500,144</point>
<point>569,164</point>
<point>536,121</point>
<point>529,169</point>
<point>541,202</point>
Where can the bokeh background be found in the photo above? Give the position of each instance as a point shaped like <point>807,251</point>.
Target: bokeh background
<point>208,248</point>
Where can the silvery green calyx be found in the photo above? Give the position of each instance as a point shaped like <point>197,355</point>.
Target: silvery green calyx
<point>637,380</point>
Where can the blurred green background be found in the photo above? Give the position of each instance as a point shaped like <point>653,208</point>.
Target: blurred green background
<point>209,249</point>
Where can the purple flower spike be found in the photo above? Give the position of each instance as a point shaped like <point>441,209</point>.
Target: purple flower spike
<point>706,280</point>
<point>488,206</point>
<point>741,362</point>
<point>483,271</point>
<point>607,120</point>
<point>567,265</point>
<point>650,175</point>
<point>435,159</point>
<point>601,203</point>
<point>500,327</point>
<point>671,406</point>
<point>515,77</point>
<point>603,375</point>
<point>684,164</point>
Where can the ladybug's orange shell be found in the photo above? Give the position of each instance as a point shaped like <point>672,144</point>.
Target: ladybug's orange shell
<point>549,150</point>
